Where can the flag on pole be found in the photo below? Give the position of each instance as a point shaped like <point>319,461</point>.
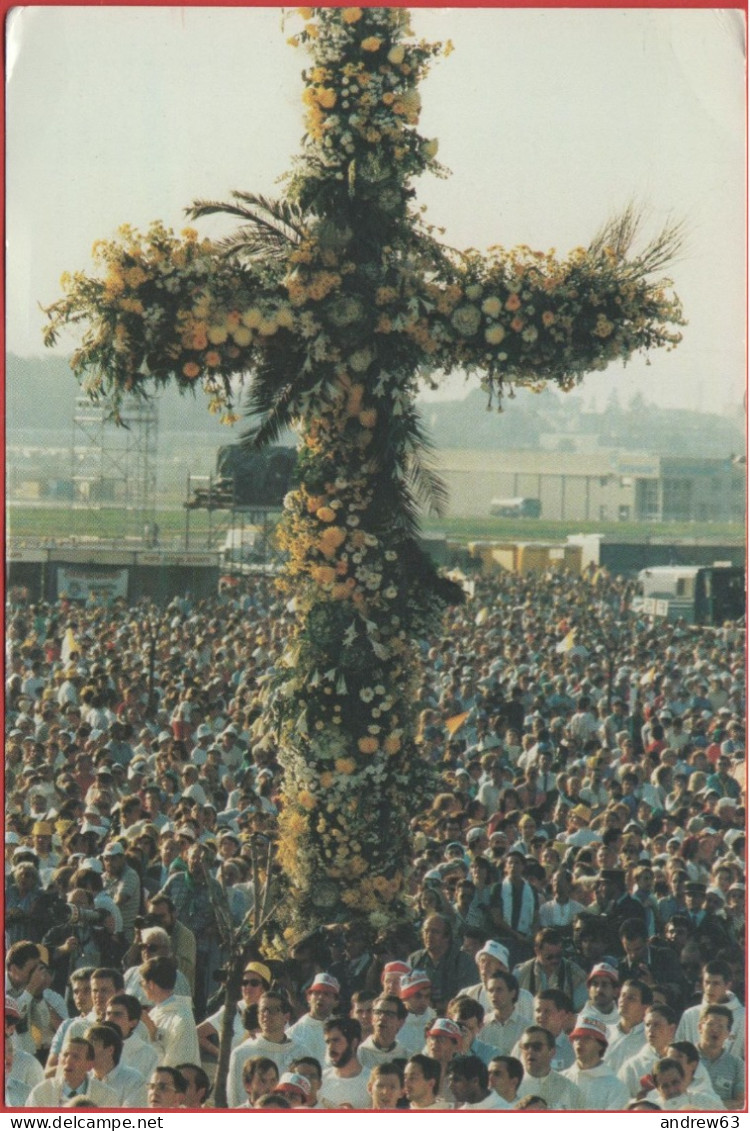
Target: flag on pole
<point>455,722</point>
<point>567,642</point>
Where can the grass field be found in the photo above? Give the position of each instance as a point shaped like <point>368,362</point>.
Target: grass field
<point>62,522</point>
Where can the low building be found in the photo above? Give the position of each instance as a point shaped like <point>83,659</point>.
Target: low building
<point>598,486</point>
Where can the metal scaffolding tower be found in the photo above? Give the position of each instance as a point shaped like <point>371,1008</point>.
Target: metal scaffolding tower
<point>114,466</point>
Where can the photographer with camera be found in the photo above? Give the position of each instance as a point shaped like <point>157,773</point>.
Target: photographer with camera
<point>80,939</point>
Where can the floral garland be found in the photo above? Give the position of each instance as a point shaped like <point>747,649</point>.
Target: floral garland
<point>332,337</point>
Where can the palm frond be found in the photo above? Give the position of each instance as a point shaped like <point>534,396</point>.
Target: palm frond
<point>279,217</point>
<point>253,243</point>
<point>421,477</point>
<point>270,401</point>
<point>428,487</point>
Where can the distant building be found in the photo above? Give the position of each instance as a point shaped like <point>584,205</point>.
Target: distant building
<point>598,486</point>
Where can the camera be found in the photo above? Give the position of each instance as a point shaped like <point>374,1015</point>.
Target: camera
<point>85,916</point>
<point>142,921</point>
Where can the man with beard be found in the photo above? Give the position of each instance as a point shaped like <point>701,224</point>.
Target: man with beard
<point>602,985</point>
<point>345,1082</point>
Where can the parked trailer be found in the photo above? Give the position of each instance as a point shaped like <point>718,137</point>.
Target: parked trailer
<point>698,594</point>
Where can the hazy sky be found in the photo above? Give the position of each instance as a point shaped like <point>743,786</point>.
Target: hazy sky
<point>550,121</point>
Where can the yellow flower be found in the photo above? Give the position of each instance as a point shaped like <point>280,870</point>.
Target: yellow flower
<point>351,15</point>
<point>325,514</point>
<point>494,335</point>
<point>326,781</point>
<point>135,276</point>
<point>372,43</point>
<point>306,800</point>
<point>326,97</point>
<point>330,540</point>
<point>306,13</point>
<point>345,765</point>
<point>368,417</point>
<point>396,54</point>
<point>324,575</point>
<point>392,744</point>
<point>252,318</point>
<point>492,306</point>
<point>217,334</point>
<point>548,318</point>
<point>368,745</point>
<point>242,336</point>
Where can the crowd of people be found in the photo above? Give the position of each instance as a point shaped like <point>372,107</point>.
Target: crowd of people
<point>576,929</point>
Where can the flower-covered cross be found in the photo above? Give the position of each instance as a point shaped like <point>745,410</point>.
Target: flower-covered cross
<point>330,307</point>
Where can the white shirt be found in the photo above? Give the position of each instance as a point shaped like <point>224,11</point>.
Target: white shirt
<point>26,1068</point>
<point>54,1093</point>
<point>346,1089</point>
<point>504,1035</point>
<point>687,1030</point>
<point>411,1034</point>
<point>216,1020</point>
<point>281,1053</point>
<point>176,1033</point>
<point>368,1053</point>
<point>128,1085</point>
<point>600,1088</point>
<point>491,1102</point>
<point>623,1046</point>
<point>560,1093</point>
<point>310,1032</point>
<point>141,1055</point>
<point>691,1100</point>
